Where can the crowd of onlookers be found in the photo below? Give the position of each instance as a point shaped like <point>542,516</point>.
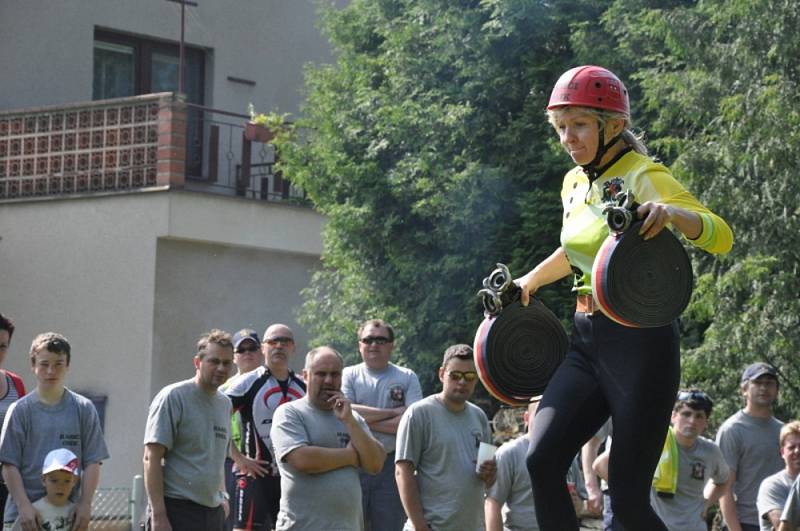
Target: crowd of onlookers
<point>246,443</point>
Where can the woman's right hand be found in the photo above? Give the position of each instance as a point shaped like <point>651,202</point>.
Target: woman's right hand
<point>528,285</point>
<point>554,267</point>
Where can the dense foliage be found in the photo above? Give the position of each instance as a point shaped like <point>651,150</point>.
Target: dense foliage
<point>426,146</point>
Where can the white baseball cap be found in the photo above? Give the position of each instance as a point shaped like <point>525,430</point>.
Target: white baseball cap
<point>61,459</point>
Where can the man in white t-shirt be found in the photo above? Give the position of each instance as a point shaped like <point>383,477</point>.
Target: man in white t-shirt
<point>774,490</point>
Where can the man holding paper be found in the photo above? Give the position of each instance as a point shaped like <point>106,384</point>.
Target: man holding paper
<point>439,438</point>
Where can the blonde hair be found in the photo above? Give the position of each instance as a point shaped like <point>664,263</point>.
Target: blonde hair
<point>634,140</point>
<point>790,428</point>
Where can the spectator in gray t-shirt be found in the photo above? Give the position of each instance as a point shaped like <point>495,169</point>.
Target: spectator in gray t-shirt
<point>749,442</point>
<point>188,430</point>
<point>437,450</point>
<point>699,461</point>
<point>380,391</point>
<point>774,490</point>
<point>49,417</point>
<point>320,444</point>
<point>790,518</point>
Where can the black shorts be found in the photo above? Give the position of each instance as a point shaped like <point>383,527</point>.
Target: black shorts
<point>185,515</point>
<point>256,502</point>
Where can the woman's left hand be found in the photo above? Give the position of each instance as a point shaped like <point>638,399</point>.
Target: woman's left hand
<point>656,216</point>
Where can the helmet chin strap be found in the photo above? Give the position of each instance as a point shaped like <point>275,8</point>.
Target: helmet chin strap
<point>591,169</point>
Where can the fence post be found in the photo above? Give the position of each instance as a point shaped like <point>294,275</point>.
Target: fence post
<point>138,502</point>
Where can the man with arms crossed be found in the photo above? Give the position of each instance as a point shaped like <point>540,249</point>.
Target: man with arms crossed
<point>699,460</point>
<point>320,444</point>
<point>188,427</point>
<point>255,396</point>
<point>50,417</point>
<point>380,391</point>
<point>749,442</point>
<point>437,451</point>
<point>774,490</point>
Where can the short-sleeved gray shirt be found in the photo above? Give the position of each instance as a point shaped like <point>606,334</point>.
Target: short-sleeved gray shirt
<point>330,501</point>
<point>32,429</point>
<point>194,427</point>
<point>512,487</point>
<point>443,447</point>
<point>696,465</point>
<point>772,495</point>
<point>791,511</point>
<point>751,449</point>
<point>392,387</point>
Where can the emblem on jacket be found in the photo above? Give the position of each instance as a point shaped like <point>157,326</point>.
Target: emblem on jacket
<point>397,395</point>
<point>611,188</point>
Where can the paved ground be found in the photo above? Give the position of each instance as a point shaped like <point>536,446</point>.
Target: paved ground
<point>592,524</point>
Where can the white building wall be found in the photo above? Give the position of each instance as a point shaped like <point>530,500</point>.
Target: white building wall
<point>46,47</point>
<point>133,279</point>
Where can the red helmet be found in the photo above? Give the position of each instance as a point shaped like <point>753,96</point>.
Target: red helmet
<point>590,86</point>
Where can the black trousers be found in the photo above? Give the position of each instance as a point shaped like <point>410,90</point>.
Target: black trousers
<point>631,374</point>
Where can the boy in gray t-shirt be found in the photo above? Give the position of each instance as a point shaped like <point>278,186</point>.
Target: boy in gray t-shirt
<point>774,490</point>
<point>699,461</point>
<point>50,417</point>
<point>790,518</point>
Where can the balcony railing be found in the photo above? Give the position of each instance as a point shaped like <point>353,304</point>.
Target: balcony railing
<point>126,144</point>
<point>221,159</point>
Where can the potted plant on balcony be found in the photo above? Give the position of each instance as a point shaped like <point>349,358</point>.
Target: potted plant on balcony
<point>262,127</point>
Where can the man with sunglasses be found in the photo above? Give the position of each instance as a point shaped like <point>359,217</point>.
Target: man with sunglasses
<point>246,357</point>
<point>380,391</point>
<point>699,461</point>
<point>749,440</point>
<point>255,396</point>
<point>437,451</point>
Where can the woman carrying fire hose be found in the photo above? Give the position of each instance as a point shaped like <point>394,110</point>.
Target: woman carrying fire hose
<point>631,374</point>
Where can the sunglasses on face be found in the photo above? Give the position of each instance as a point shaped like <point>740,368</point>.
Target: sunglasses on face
<point>242,350</point>
<point>698,396</point>
<point>469,376</point>
<point>375,340</point>
<point>282,340</point>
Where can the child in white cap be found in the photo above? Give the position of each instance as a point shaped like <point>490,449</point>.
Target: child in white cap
<point>60,474</point>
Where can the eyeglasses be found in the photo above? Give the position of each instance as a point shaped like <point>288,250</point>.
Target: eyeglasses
<point>375,340</point>
<point>469,376</point>
<point>242,350</point>
<point>276,340</point>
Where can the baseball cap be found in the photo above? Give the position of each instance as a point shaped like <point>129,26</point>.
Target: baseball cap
<point>61,459</point>
<point>755,370</point>
<point>245,333</point>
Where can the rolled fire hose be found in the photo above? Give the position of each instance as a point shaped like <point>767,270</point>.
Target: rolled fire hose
<point>637,282</point>
<point>517,348</point>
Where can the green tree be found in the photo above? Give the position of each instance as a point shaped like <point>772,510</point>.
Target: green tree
<point>426,146</point>
<point>720,82</point>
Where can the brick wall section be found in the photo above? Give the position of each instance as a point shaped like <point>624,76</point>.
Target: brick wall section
<point>171,166</point>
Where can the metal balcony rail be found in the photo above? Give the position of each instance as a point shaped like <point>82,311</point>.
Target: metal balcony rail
<point>221,159</point>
